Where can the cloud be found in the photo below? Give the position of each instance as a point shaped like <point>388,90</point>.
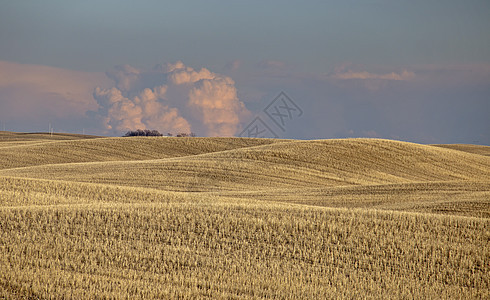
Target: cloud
<point>125,76</point>
<point>271,64</point>
<point>233,65</point>
<point>171,98</point>
<point>180,74</point>
<point>404,75</point>
<point>344,76</point>
<point>445,76</point>
<point>141,112</point>
<point>33,92</point>
<point>426,103</point>
<point>216,104</point>
<point>370,133</point>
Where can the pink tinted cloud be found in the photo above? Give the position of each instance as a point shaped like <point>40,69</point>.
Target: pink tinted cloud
<point>143,111</point>
<point>172,98</point>
<point>404,75</point>
<point>452,75</point>
<point>423,75</point>
<point>37,92</point>
<point>271,64</point>
<point>233,65</point>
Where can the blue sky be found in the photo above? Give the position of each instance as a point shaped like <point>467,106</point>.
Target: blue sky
<point>410,70</point>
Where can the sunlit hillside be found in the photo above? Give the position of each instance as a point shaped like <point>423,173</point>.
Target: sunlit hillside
<point>161,217</point>
<point>477,149</point>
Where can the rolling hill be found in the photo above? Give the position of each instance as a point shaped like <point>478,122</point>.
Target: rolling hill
<point>241,218</point>
<point>476,149</point>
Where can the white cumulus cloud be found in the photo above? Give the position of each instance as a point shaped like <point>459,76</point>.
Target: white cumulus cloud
<point>171,98</point>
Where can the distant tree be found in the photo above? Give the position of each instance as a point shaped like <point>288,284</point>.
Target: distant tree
<point>147,132</point>
<point>154,133</point>
<point>184,134</point>
<point>140,132</point>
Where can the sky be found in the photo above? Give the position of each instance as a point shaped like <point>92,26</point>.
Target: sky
<point>416,71</point>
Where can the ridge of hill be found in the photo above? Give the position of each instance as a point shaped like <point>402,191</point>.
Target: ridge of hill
<point>307,164</point>
<point>115,149</point>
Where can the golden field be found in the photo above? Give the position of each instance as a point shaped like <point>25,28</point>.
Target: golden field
<point>159,217</point>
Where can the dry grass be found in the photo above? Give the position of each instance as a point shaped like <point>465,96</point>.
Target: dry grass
<point>239,250</point>
<point>242,218</point>
<point>476,149</point>
<point>8,138</point>
<point>306,164</point>
<point>465,198</point>
<point>46,152</point>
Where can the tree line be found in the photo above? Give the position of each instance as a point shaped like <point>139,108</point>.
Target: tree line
<point>148,132</point>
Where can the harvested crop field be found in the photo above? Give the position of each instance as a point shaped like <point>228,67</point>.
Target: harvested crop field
<point>161,217</point>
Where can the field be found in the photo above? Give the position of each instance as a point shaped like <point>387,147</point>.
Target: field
<point>159,217</point>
